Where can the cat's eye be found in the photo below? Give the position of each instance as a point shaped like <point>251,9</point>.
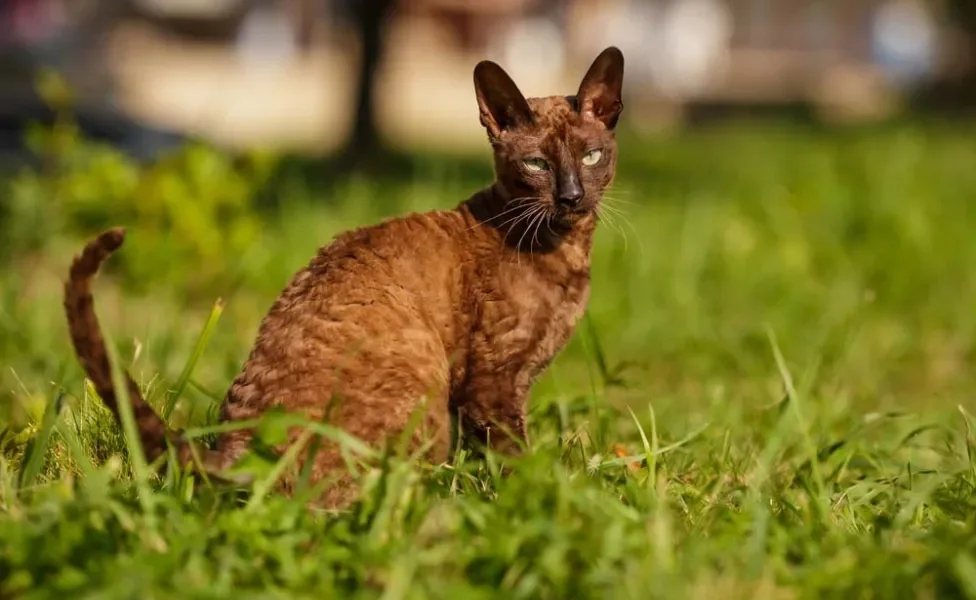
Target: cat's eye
<point>535,165</point>
<point>592,157</point>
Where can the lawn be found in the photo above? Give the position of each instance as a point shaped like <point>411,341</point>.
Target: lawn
<point>772,395</point>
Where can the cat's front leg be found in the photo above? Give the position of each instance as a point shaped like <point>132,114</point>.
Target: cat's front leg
<point>493,415</point>
<point>508,435</point>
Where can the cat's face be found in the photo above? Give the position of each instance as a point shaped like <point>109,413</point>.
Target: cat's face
<point>556,154</point>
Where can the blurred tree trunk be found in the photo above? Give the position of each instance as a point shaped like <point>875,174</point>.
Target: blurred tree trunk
<point>369,17</point>
<point>302,14</point>
<point>963,13</point>
<point>958,93</point>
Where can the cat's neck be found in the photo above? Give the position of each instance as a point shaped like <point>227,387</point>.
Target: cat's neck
<point>490,208</point>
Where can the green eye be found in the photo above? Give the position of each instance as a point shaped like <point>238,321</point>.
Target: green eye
<point>535,165</point>
<point>592,157</point>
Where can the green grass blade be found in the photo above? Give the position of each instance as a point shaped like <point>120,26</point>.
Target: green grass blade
<point>650,446</point>
<point>202,340</point>
<point>289,458</point>
<point>137,457</point>
<point>801,423</point>
<point>970,442</point>
<point>77,451</point>
<point>626,460</point>
<point>38,447</point>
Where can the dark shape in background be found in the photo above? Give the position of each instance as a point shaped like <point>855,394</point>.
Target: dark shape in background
<point>369,17</point>
<point>954,95</point>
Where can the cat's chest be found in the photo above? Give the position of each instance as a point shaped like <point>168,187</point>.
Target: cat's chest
<point>536,316</point>
<point>555,325</point>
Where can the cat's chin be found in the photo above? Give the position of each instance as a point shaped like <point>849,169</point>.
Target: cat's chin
<point>566,219</point>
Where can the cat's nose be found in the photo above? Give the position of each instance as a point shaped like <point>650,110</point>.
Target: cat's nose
<point>570,193</point>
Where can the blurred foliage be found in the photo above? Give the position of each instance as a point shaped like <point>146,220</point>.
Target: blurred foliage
<point>192,207</point>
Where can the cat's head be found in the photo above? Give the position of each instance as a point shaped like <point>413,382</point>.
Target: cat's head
<point>557,152</point>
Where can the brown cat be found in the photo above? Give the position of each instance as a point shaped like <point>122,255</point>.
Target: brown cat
<point>449,312</point>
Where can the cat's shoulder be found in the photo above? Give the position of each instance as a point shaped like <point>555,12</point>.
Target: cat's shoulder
<point>407,234</point>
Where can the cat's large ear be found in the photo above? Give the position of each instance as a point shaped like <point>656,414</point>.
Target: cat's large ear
<point>501,104</point>
<point>599,93</point>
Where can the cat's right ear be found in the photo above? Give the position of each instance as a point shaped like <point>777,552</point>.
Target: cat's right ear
<point>500,103</point>
<point>599,93</point>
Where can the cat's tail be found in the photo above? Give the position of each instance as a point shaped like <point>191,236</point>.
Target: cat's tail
<point>86,335</point>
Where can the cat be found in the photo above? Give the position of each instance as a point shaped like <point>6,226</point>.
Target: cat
<point>452,312</point>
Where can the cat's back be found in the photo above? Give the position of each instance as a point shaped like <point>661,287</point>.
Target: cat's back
<point>370,286</point>
<point>410,259</point>
<point>415,241</point>
<point>373,307</point>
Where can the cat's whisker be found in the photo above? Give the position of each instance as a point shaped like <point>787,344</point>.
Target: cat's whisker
<point>615,210</point>
<point>640,246</point>
<point>611,202</point>
<point>611,210</point>
<point>518,247</point>
<point>530,226</point>
<point>524,203</point>
<point>524,216</point>
<point>617,191</point>
<point>549,225</point>
<point>518,204</point>
<point>514,220</point>
<point>602,215</point>
<point>608,216</point>
<point>611,205</point>
<point>613,226</point>
<point>543,218</point>
<point>529,212</point>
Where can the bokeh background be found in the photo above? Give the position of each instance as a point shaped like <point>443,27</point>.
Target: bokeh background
<point>782,161</point>
<point>781,334</point>
<point>319,76</point>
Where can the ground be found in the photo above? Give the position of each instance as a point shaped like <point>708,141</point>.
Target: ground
<point>771,397</point>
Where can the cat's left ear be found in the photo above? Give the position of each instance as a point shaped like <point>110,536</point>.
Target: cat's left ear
<point>500,103</point>
<point>600,92</point>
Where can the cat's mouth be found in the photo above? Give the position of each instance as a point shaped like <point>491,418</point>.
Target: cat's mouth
<point>569,215</point>
<point>563,222</point>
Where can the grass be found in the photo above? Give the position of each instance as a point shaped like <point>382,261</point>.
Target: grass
<point>772,396</point>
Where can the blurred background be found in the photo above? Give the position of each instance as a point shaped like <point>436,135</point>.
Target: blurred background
<point>794,210</point>
<point>801,165</point>
<point>351,76</point>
